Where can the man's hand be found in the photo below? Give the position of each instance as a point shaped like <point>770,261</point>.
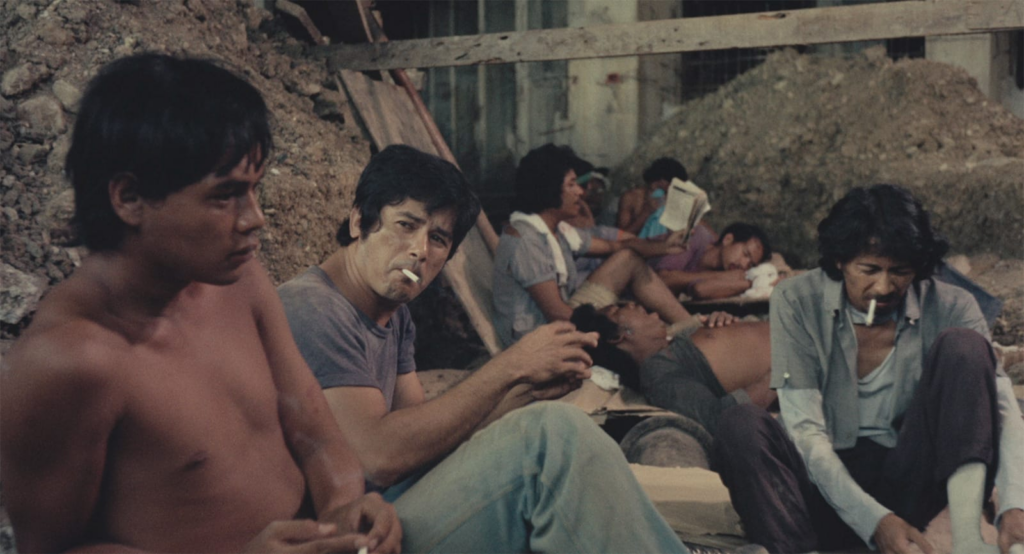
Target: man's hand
<point>717,319</point>
<point>372,521</point>
<point>1011,529</point>
<point>303,536</point>
<point>676,242</point>
<point>552,352</point>
<point>895,536</point>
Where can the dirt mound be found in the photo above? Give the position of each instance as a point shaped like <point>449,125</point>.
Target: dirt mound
<point>55,47</point>
<point>780,144</point>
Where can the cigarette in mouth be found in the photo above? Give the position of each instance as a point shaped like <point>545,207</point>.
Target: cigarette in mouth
<point>416,279</point>
<point>871,313</point>
<point>365,550</point>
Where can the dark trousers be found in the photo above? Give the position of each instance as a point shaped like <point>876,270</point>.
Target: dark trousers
<point>953,419</point>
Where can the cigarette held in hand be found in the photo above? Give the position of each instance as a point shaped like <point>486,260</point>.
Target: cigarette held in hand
<point>871,313</point>
<point>416,279</point>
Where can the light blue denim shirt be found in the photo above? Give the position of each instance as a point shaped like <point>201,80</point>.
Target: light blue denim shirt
<point>814,369</point>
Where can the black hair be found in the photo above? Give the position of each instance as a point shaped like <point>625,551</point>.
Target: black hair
<point>665,168</point>
<point>883,220</point>
<point>540,175</point>
<point>742,232</point>
<point>168,122</point>
<point>401,172</point>
<point>587,319</point>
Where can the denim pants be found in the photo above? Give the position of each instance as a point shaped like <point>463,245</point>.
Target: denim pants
<point>543,478</point>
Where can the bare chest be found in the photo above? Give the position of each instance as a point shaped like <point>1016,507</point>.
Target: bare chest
<point>873,345</point>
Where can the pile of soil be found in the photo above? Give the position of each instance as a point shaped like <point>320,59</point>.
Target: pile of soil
<point>54,48</point>
<point>780,144</point>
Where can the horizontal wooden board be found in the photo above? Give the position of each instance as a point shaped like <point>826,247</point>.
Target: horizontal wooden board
<point>757,30</point>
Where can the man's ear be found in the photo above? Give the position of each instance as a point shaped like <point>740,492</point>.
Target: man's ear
<point>123,190</point>
<point>728,239</point>
<point>355,219</point>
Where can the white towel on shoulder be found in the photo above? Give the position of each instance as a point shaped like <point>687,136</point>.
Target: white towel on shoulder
<point>570,233</point>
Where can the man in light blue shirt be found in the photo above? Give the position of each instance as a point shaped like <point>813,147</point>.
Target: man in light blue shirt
<point>892,405</point>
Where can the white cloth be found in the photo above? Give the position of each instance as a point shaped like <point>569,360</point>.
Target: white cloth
<point>761,277</point>
<point>567,231</point>
<point>604,378</point>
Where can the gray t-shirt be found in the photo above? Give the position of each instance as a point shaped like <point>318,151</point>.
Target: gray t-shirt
<point>343,346</point>
<point>519,263</point>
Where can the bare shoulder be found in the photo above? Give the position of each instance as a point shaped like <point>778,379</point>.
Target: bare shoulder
<point>254,288</point>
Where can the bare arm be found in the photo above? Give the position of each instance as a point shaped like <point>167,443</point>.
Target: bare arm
<point>393,444</point>
<point>59,406</point>
<point>333,473</point>
<point>706,284</point>
<point>634,209</point>
<point>549,299</point>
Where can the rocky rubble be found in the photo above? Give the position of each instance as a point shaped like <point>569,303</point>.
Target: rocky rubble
<point>52,48</point>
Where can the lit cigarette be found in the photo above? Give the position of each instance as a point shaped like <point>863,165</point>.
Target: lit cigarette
<point>871,313</point>
<point>365,550</point>
<point>416,279</point>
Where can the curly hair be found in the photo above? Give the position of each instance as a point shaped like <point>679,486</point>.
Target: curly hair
<point>882,220</point>
<point>540,175</point>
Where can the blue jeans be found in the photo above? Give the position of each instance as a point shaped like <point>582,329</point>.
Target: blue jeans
<point>541,479</point>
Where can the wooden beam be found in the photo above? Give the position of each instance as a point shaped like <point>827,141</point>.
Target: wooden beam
<point>757,30</point>
<point>299,13</point>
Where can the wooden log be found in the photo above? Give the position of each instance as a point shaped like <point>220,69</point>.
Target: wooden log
<point>299,13</point>
<point>756,30</point>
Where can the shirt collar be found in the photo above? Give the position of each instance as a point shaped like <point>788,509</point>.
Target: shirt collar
<point>834,301</point>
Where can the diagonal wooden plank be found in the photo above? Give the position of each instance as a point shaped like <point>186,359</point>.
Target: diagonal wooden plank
<point>758,30</point>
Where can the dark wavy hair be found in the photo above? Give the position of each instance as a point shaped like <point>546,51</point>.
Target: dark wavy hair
<point>587,319</point>
<point>400,172</point>
<point>540,175</point>
<point>742,232</point>
<point>665,168</point>
<point>882,220</point>
<point>166,121</point>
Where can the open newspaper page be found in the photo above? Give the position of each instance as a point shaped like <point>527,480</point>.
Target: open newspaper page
<point>685,205</point>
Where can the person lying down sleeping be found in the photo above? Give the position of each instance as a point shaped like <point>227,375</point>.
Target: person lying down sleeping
<point>697,373</point>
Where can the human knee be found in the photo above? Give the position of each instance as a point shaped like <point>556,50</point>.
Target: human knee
<point>739,427</point>
<point>965,350</point>
<point>627,258</point>
<point>562,426</point>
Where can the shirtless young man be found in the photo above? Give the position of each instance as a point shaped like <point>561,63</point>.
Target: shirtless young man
<point>637,205</point>
<point>697,374</point>
<point>158,401</point>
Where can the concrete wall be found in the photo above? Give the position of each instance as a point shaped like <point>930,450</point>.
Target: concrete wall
<point>987,58</point>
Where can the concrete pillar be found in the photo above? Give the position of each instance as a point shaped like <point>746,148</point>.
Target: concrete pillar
<point>971,52</point>
<point>603,93</point>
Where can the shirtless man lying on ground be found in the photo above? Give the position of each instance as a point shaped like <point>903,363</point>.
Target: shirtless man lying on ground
<point>158,401</point>
<point>697,374</point>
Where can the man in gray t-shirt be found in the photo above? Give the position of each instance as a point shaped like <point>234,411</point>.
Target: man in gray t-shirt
<point>454,488</point>
<point>343,346</point>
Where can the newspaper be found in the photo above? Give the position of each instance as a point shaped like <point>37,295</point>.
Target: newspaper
<point>685,205</point>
